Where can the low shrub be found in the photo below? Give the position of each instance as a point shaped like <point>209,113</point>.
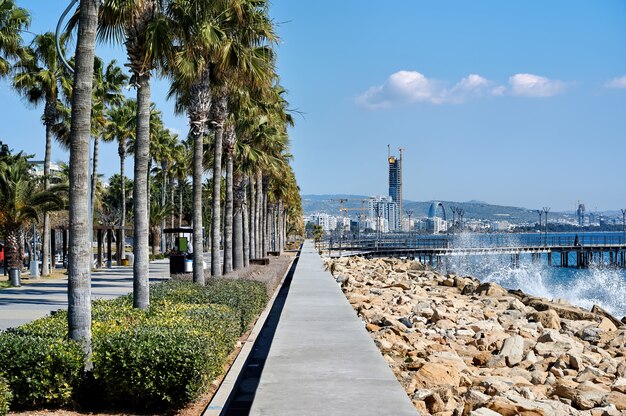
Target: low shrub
<point>246,297</point>
<point>5,396</point>
<point>167,358</point>
<point>40,370</point>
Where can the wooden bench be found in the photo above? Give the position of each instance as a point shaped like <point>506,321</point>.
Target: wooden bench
<point>263,262</point>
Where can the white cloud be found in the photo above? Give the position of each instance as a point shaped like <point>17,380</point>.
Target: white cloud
<point>530,85</point>
<point>619,82</point>
<point>406,87</point>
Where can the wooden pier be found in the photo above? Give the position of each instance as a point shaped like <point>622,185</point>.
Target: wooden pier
<point>560,252</point>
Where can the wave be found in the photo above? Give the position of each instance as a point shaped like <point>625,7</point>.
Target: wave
<point>597,285</point>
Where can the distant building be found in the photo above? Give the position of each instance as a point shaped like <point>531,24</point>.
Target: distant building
<point>395,186</point>
<point>36,167</point>
<point>501,226</point>
<point>383,208</point>
<point>437,223</point>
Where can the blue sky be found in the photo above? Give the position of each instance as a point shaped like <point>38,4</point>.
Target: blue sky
<point>513,103</point>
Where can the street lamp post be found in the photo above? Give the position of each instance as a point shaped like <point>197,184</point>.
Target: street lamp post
<point>623,225</point>
<point>409,213</point>
<point>546,210</point>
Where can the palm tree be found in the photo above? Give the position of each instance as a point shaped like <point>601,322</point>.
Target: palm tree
<point>79,270</point>
<point>121,127</point>
<point>13,20</point>
<point>20,202</point>
<point>39,76</point>
<point>107,92</point>
<point>142,28</point>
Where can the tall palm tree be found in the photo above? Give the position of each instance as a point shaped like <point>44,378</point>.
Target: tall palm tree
<point>200,37</point>
<point>141,27</point>
<point>79,269</point>
<point>121,127</point>
<point>39,76</point>
<point>13,20</point>
<point>107,92</point>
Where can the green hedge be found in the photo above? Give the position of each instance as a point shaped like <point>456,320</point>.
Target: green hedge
<point>5,396</point>
<point>165,360</point>
<point>247,297</point>
<point>40,370</point>
<point>159,359</point>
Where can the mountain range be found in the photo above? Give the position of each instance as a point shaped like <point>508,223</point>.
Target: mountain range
<point>329,204</point>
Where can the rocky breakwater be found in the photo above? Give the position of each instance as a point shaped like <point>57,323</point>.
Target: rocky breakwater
<point>462,347</point>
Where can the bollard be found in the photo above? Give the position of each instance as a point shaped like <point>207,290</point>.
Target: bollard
<point>15,277</point>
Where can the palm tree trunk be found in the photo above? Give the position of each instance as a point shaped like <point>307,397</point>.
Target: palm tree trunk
<point>45,237</point>
<point>245,232</point>
<point>220,110</point>
<point>173,205</point>
<point>79,270</point>
<point>266,223</point>
<point>228,206</point>
<point>12,252</point>
<point>251,218</point>
<point>198,112</point>
<point>180,202</point>
<point>163,200</point>
<point>141,293</point>
<point>238,227</point>
<point>198,270</point>
<point>94,175</point>
<point>258,212</point>
<point>121,254</point>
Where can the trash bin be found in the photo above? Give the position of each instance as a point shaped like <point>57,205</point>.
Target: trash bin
<point>188,265</point>
<point>15,276</point>
<point>131,258</point>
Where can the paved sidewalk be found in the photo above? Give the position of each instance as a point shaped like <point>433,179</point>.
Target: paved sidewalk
<point>19,305</point>
<point>322,360</point>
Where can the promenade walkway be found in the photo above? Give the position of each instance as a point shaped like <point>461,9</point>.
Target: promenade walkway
<point>19,305</point>
<point>321,360</point>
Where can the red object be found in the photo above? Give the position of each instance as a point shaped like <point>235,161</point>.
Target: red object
<point>1,253</point>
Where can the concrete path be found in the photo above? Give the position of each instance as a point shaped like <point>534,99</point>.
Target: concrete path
<point>19,305</point>
<point>322,360</point>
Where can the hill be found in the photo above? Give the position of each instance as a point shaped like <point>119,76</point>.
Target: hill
<point>473,209</point>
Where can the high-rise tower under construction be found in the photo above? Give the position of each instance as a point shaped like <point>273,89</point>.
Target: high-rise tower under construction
<point>395,184</point>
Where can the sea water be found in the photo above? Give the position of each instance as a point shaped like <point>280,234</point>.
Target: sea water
<point>599,284</point>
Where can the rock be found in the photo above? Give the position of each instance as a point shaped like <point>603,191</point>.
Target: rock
<point>507,408</point>
<point>588,396</point>
<point>372,327</point>
<point>617,399</point>
<point>406,322</point>
<point>483,411</point>
<point>513,350</point>
<point>490,289</point>
<point>563,310</point>
<point>476,398</point>
<point>576,362</point>
<point>607,325</point>
<point>590,334</point>
<point>434,404</point>
<point>482,358</point>
<point>435,374</point>
<point>602,312</point>
<point>549,319</point>
<point>619,385</point>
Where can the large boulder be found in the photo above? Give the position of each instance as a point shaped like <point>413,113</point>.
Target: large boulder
<point>513,350</point>
<point>563,310</point>
<point>436,374</point>
<point>548,318</point>
<point>490,289</point>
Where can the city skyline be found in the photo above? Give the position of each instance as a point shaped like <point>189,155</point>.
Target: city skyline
<point>506,103</point>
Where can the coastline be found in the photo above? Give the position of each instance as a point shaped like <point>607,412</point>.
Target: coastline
<point>462,347</point>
